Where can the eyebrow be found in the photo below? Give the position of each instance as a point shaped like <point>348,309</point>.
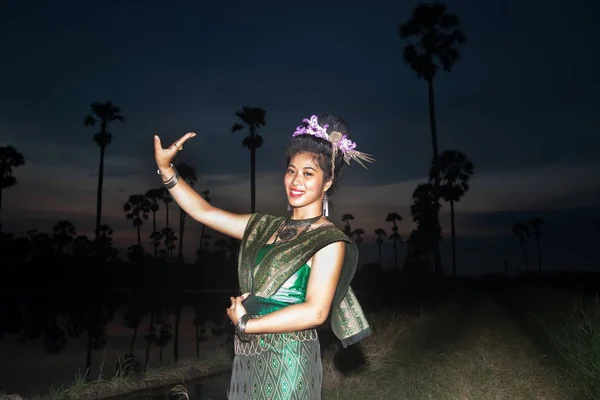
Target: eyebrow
<point>292,165</point>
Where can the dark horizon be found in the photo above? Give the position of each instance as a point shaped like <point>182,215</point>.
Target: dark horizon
<point>525,120</point>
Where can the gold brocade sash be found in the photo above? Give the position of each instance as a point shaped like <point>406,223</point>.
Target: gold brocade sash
<point>281,261</point>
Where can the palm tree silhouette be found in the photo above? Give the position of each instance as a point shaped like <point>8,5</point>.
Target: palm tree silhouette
<point>205,194</point>
<point>347,229</point>
<point>536,230</point>
<point>251,118</point>
<point>105,113</point>
<point>359,239</point>
<point>63,234</point>
<point>187,173</point>
<point>521,231</point>
<point>424,211</point>
<point>137,209</point>
<point>395,236</point>
<point>170,239</point>
<point>380,234</point>
<point>454,170</point>
<point>154,196</point>
<point>438,36</point>
<point>9,158</point>
<point>169,246</point>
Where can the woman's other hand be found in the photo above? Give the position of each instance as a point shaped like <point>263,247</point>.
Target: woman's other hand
<point>164,157</point>
<point>237,309</point>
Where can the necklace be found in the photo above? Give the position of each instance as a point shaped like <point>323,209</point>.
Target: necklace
<point>289,229</point>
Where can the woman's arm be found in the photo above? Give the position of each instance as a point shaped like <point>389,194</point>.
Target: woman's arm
<point>325,272</point>
<point>190,201</point>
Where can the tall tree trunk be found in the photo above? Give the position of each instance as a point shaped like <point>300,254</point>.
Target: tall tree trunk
<point>99,194</point>
<point>181,227</point>
<point>434,145</point>
<point>453,238</point>
<point>379,252</point>
<point>202,241</point>
<point>154,234</point>
<point>176,338</point>
<point>167,240</point>
<point>395,253</point>
<point>252,179</point>
<point>525,256</point>
<point>537,240</point>
<point>139,236</point>
<point>135,329</point>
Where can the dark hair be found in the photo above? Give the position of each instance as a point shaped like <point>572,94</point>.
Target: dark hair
<point>322,149</point>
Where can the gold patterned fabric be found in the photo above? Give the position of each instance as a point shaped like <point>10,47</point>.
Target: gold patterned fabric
<point>287,366</point>
<point>264,278</point>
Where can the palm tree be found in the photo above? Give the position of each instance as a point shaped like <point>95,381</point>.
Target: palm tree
<point>205,194</point>
<point>424,211</point>
<point>105,113</point>
<point>170,240</point>
<point>454,170</point>
<point>154,196</point>
<point>521,231</point>
<point>347,229</point>
<point>437,36</point>
<point>187,173</point>
<point>358,233</point>
<point>137,209</point>
<point>395,236</point>
<point>536,229</point>
<point>380,234</point>
<point>167,199</point>
<point>9,158</point>
<point>251,118</point>
<point>63,234</point>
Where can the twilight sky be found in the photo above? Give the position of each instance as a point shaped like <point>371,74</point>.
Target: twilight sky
<point>519,103</point>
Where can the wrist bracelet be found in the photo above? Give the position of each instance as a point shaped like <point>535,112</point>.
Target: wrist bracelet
<point>240,327</point>
<point>162,173</point>
<point>172,181</point>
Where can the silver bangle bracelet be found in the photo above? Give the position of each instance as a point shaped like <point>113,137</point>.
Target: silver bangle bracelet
<point>172,181</point>
<point>240,327</point>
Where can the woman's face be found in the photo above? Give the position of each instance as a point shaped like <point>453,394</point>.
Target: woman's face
<point>304,181</point>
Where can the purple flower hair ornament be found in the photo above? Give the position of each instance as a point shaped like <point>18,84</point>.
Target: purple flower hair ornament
<point>338,140</point>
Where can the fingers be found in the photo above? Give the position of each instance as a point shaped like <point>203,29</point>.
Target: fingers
<point>179,143</point>
<point>245,296</point>
<point>157,144</point>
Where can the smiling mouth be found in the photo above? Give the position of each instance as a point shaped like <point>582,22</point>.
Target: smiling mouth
<point>296,193</point>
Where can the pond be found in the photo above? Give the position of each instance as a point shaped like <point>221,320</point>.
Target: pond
<point>213,387</point>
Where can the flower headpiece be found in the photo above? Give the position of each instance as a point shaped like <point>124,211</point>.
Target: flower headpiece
<point>338,140</point>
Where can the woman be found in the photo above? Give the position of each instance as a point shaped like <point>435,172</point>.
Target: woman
<point>294,272</point>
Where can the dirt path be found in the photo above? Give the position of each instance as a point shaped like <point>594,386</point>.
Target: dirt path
<point>471,350</point>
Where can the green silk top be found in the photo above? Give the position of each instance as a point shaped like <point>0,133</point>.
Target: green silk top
<point>293,291</point>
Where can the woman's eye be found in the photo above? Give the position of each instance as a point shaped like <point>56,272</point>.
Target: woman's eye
<point>308,174</point>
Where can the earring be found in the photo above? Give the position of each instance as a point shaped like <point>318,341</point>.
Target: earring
<point>326,205</point>
<point>289,208</point>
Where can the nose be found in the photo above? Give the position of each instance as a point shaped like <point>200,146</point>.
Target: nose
<point>297,181</point>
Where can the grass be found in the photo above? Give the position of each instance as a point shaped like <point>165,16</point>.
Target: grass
<point>577,342</point>
<point>469,349</point>
<point>124,380</point>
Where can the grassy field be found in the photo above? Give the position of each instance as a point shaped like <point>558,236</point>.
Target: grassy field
<point>471,348</point>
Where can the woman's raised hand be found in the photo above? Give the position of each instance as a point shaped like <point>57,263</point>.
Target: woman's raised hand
<point>164,157</point>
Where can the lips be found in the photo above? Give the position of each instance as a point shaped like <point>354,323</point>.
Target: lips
<point>296,193</point>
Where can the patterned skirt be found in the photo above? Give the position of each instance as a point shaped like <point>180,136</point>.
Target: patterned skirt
<point>282,366</point>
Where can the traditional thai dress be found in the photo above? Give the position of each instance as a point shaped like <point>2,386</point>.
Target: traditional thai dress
<point>286,366</point>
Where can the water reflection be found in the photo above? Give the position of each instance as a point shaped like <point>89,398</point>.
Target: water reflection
<point>210,388</point>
